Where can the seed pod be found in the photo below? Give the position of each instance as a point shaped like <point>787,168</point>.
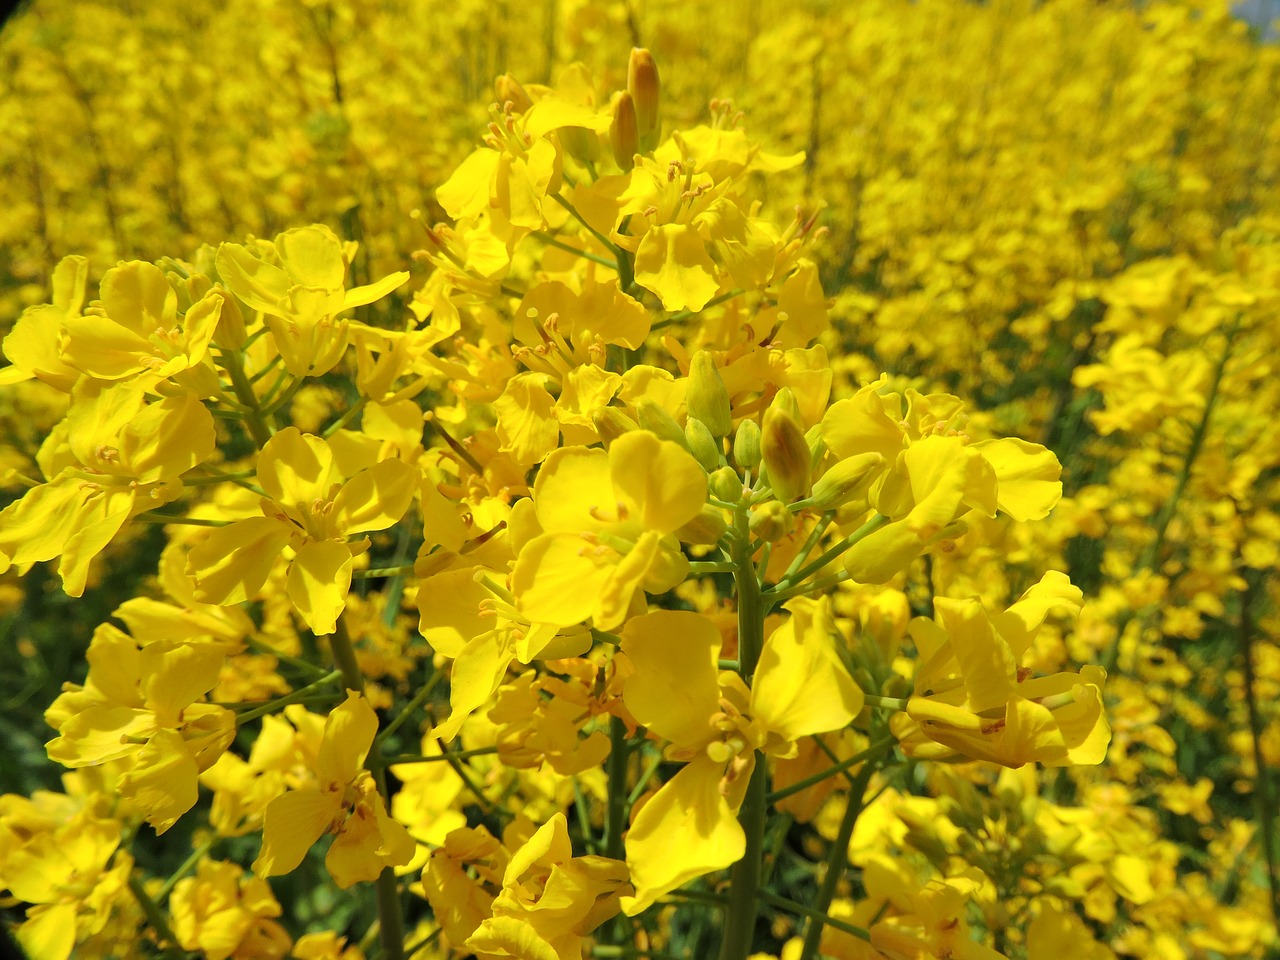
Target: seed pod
<point>786,455</point>
<point>702,444</point>
<point>746,445</point>
<point>623,136</point>
<point>707,396</point>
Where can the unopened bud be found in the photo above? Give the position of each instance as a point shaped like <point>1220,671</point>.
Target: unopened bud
<point>772,521</point>
<point>706,528</point>
<point>623,134</point>
<point>510,91</point>
<point>646,91</point>
<point>707,396</point>
<point>611,423</point>
<point>785,400</point>
<point>786,455</point>
<point>655,419</point>
<point>230,333</point>
<point>847,479</point>
<point>746,445</point>
<point>702,444</point>
<point>726,485</point>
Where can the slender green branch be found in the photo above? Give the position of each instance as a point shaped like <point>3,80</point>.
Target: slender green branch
<point>265,649</point>
<point>348,415</point>
<point>608,244</point>
<point>570,248</point>
<point>445,756</point>
<point>815,535</point>
<point>253,419</point>
<point>649,771</point>
<point>154,517</point>
<point>864,531</point>
<point>712,566</point>
<point>889,703</point>
<point>418,700</point>
<point>837,860</point>
<point>744,881</point>
<point>155,917</point>
<point>584,817</point>
<point>375,572</point>
<point>790,906</point>
<point>302,693</point>
<point>1263,787</point>
<point>618,763</point>
<point>187,866</point>
<point>801,785</point>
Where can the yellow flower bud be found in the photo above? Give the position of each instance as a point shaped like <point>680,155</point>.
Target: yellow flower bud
<point>706,528</point>
<point>611,423</point>
<point>646,92</point>
<point>580,143</point>
<point>772,521</point>
<point>623,134</point>
<point>726,485</point>
<point>746,445</point>
<point>847,479</point>
<point>655,419</point>
<point>707,396</point>
<point>786,454</point>
<point>510,91</point>
<point>702,444</point>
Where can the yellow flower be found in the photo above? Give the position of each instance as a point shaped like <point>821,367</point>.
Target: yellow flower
<point>310,509</point>
<point>344,801</point>
<point>971,695</point>
<point>223,913</point>
<point>674,688</point>
<point>607,523</point>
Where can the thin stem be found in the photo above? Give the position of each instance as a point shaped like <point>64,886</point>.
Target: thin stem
<point>608,244</point>
<point>645,777</point>
<point>801,785</point>
<point>445,756</point>
<point>712,566</point>
<point>1262,789</point>
<point>187,866</point>
<point>348,415</point>
<point>686,314</point>
<point>837,860</point>
<point>864,531</point>
<point>153,517</point>
<point>253,419</point>
<point>618,763</point>
<point>790,906</point>
<point>569,248</point>
<point>889,703</point>
<point>819,528</point>
<point>302,693</point>
<point>418,700</point>
<point>375,572</point>
<point>155,917</point>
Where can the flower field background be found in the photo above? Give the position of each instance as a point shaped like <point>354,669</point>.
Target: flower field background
<point>805,486</point>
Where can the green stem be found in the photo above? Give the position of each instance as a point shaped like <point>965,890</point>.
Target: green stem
<point>348,415</point>
<point>790,906</point>
<point>446,756</point>
<point>390,917</point>
<point>608,244</point>
<point>153,517</point>
<point>253,418</point>
<point>618,763</point>
<point>1262,789</point>
<point>301,693</point>
<point>712,566</point>
<point>864,531</point>
<point>837,860</point>
<point>569,248</point>
<point>819,528</point>
<point>801,785</point>
<point>418,700</point>
<point>187,866</point>
<point>155,917</point>
<point>375,572</point>
<point>744,882</point>
<point>890,703</point>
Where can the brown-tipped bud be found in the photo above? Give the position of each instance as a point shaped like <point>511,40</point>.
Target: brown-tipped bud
<point>847,479</point>
<point>230,333</point>
<point>746,445</point>
<point>726,485</point>
<point>509,91</point>
<point>702,444</point>
<point>786,455</point>
<point>707,397</point>
<point>785,400</point>
<point>655,419</point>
<point>623,134</point>
<point>611,423</point>
<point>706,528</point>
<point>646,91</point>
<point>772,521</point>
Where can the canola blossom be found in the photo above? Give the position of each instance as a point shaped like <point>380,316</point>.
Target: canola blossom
<point>805,487</point>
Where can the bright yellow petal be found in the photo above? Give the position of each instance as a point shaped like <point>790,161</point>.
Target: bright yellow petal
<point>291,824</point>
<point>296,468</point>
<point>685,830</point>
<point>375,498</point>
<point>319,579</point>
<point>986,663</point>
<point>233,562</point>
<point>1027,474</point>
<point>672,261</point>
<point>348,734</point>
<point>557,579</point>
<point>660,477</point>
<point>674,690</point>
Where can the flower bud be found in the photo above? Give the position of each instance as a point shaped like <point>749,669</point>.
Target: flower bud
<point>847,479</point>
<point>510,91</point>
<point>706,528</point>
<point>785,400</point>
<point>786,454</point>
<point>655,419</point>
<point>746,445</point>
<point>772,521</point>
<point>646,92</point>
<point>611,423</point>
<point>623,135</point>
<point>707,396</point>
<point>702,444</point>
<point>726,485</point>
<point>230,333</point>
<point>580,143</point>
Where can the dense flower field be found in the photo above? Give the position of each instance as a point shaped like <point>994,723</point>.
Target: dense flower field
<point>639,480</point>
